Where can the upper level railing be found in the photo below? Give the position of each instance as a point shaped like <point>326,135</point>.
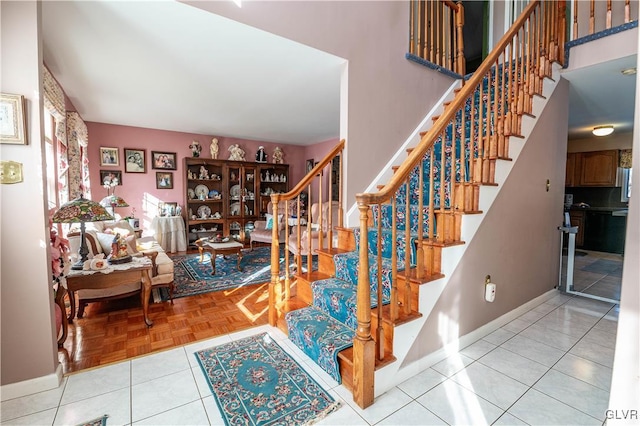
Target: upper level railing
<point>304,237</point>
<point>590,17</point>
<point>436,33</point>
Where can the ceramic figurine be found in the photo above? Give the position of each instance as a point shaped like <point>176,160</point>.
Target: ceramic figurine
<point>237,153</point>
<point>214,148</point>
<point>204,173</point>
<point>261,156</point>
<point>278,155</point>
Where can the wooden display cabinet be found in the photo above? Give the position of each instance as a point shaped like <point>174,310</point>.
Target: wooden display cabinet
<point>241,207</point>
<point>204,197</point>
<point>274,178</point>
<point>225,198</point>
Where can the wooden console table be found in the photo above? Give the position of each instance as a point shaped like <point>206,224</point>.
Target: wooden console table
<point>80,280</point>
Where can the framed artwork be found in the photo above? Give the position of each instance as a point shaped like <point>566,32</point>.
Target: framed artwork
<point>309,165</point>
<point>110,175</point>
<point>135,160</point>
<point>163,160</point>
<point>109,156</point>
<point>13,123</point>
<point>164,180</point>
<point>168,209</point>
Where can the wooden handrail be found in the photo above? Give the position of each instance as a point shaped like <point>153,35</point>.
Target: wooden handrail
<point>472,133</point>
<point>276,294</point>
<point>429,139</point>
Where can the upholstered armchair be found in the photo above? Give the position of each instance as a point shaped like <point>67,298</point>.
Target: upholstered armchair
<point>263,231</point>
<point>311,240</point>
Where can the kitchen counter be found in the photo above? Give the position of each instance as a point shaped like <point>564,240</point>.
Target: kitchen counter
<point>623,210</point>
<point>600,228</point>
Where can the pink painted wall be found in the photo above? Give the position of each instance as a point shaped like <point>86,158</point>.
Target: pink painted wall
<point>139,189</point>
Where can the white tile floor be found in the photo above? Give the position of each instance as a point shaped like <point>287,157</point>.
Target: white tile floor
<point>550,366</point>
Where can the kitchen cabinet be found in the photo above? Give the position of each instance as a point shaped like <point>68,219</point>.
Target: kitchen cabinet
<point>598,168</point>
<point>573,170</point>
<point>577,219</point>
<point>604,231</point>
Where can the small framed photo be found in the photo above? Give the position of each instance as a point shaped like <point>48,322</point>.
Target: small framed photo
<point>13,122</point>
<point>107,177</point>
<point>135,160</point>
<point>163,160</point>
<point>164,180</point>
<point>309,165</point>
<point>168,209</point>
<point>109,156</point>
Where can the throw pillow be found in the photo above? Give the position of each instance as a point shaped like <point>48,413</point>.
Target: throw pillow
<point>269,221</point>
<point>105,240</point>
<point>132,245</point>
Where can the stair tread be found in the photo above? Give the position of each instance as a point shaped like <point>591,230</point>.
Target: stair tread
<point>412,276</point>
<point>347,356</point>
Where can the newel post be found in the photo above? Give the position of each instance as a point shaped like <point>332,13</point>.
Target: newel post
<point>274,295</point>
<point>363,344</point>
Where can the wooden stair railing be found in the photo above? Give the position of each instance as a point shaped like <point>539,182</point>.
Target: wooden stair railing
<point>601,16</point>
<point>320,182</point>
<point>485,112</point>
<point>436,33</point>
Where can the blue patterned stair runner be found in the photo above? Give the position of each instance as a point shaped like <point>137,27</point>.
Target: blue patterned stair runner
<point>328,325</point>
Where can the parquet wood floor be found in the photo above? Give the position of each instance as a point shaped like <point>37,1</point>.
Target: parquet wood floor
<point>115,331</point>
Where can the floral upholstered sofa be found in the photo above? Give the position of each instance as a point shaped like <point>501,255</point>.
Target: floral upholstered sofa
<point>99,237</point>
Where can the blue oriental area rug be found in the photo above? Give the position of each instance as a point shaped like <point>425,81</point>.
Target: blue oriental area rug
<point>192,277</point>
<point>255,382</point>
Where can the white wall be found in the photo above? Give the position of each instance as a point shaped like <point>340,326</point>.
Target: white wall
<point>625,383</point>
<point>28,342</point>
<point>385,95</point>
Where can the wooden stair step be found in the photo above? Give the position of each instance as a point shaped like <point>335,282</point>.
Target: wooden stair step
<point>412,276</point>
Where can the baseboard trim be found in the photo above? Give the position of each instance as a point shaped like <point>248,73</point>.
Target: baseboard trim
<point>387,378</point>
<point>31,386</point>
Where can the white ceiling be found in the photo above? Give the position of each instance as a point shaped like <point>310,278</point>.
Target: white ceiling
<point>600,95</point>
<point>166,65</point>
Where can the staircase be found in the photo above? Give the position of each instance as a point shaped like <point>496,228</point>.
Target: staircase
<point>344,314</point>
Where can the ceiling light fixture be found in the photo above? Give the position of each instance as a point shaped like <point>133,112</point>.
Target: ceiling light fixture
<point>602,130</point>
<point>629,71</point>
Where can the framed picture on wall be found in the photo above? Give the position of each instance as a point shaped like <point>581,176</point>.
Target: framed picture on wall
<point>163,160</point>
<point>12,119</point>
<point>164,180</point>
<point>135,160</point>
<point>309,165</point>
<point>109,156</point>
<point>107,177</point>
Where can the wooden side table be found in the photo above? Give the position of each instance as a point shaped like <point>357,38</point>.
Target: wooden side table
<point>77,280</point>
<point>229,247</point>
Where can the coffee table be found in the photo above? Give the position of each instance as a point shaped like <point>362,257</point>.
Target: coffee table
<point>223,248</point>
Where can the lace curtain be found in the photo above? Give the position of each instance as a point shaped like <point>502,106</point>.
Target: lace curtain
<point>78,139</point>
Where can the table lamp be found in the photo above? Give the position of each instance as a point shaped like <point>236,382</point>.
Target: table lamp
<point>113,201</point>
<point>80,211</point>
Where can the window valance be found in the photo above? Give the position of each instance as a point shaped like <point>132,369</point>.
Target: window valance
<point>625,158</point>
<point>77,129</point>
<point>54,102</point>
